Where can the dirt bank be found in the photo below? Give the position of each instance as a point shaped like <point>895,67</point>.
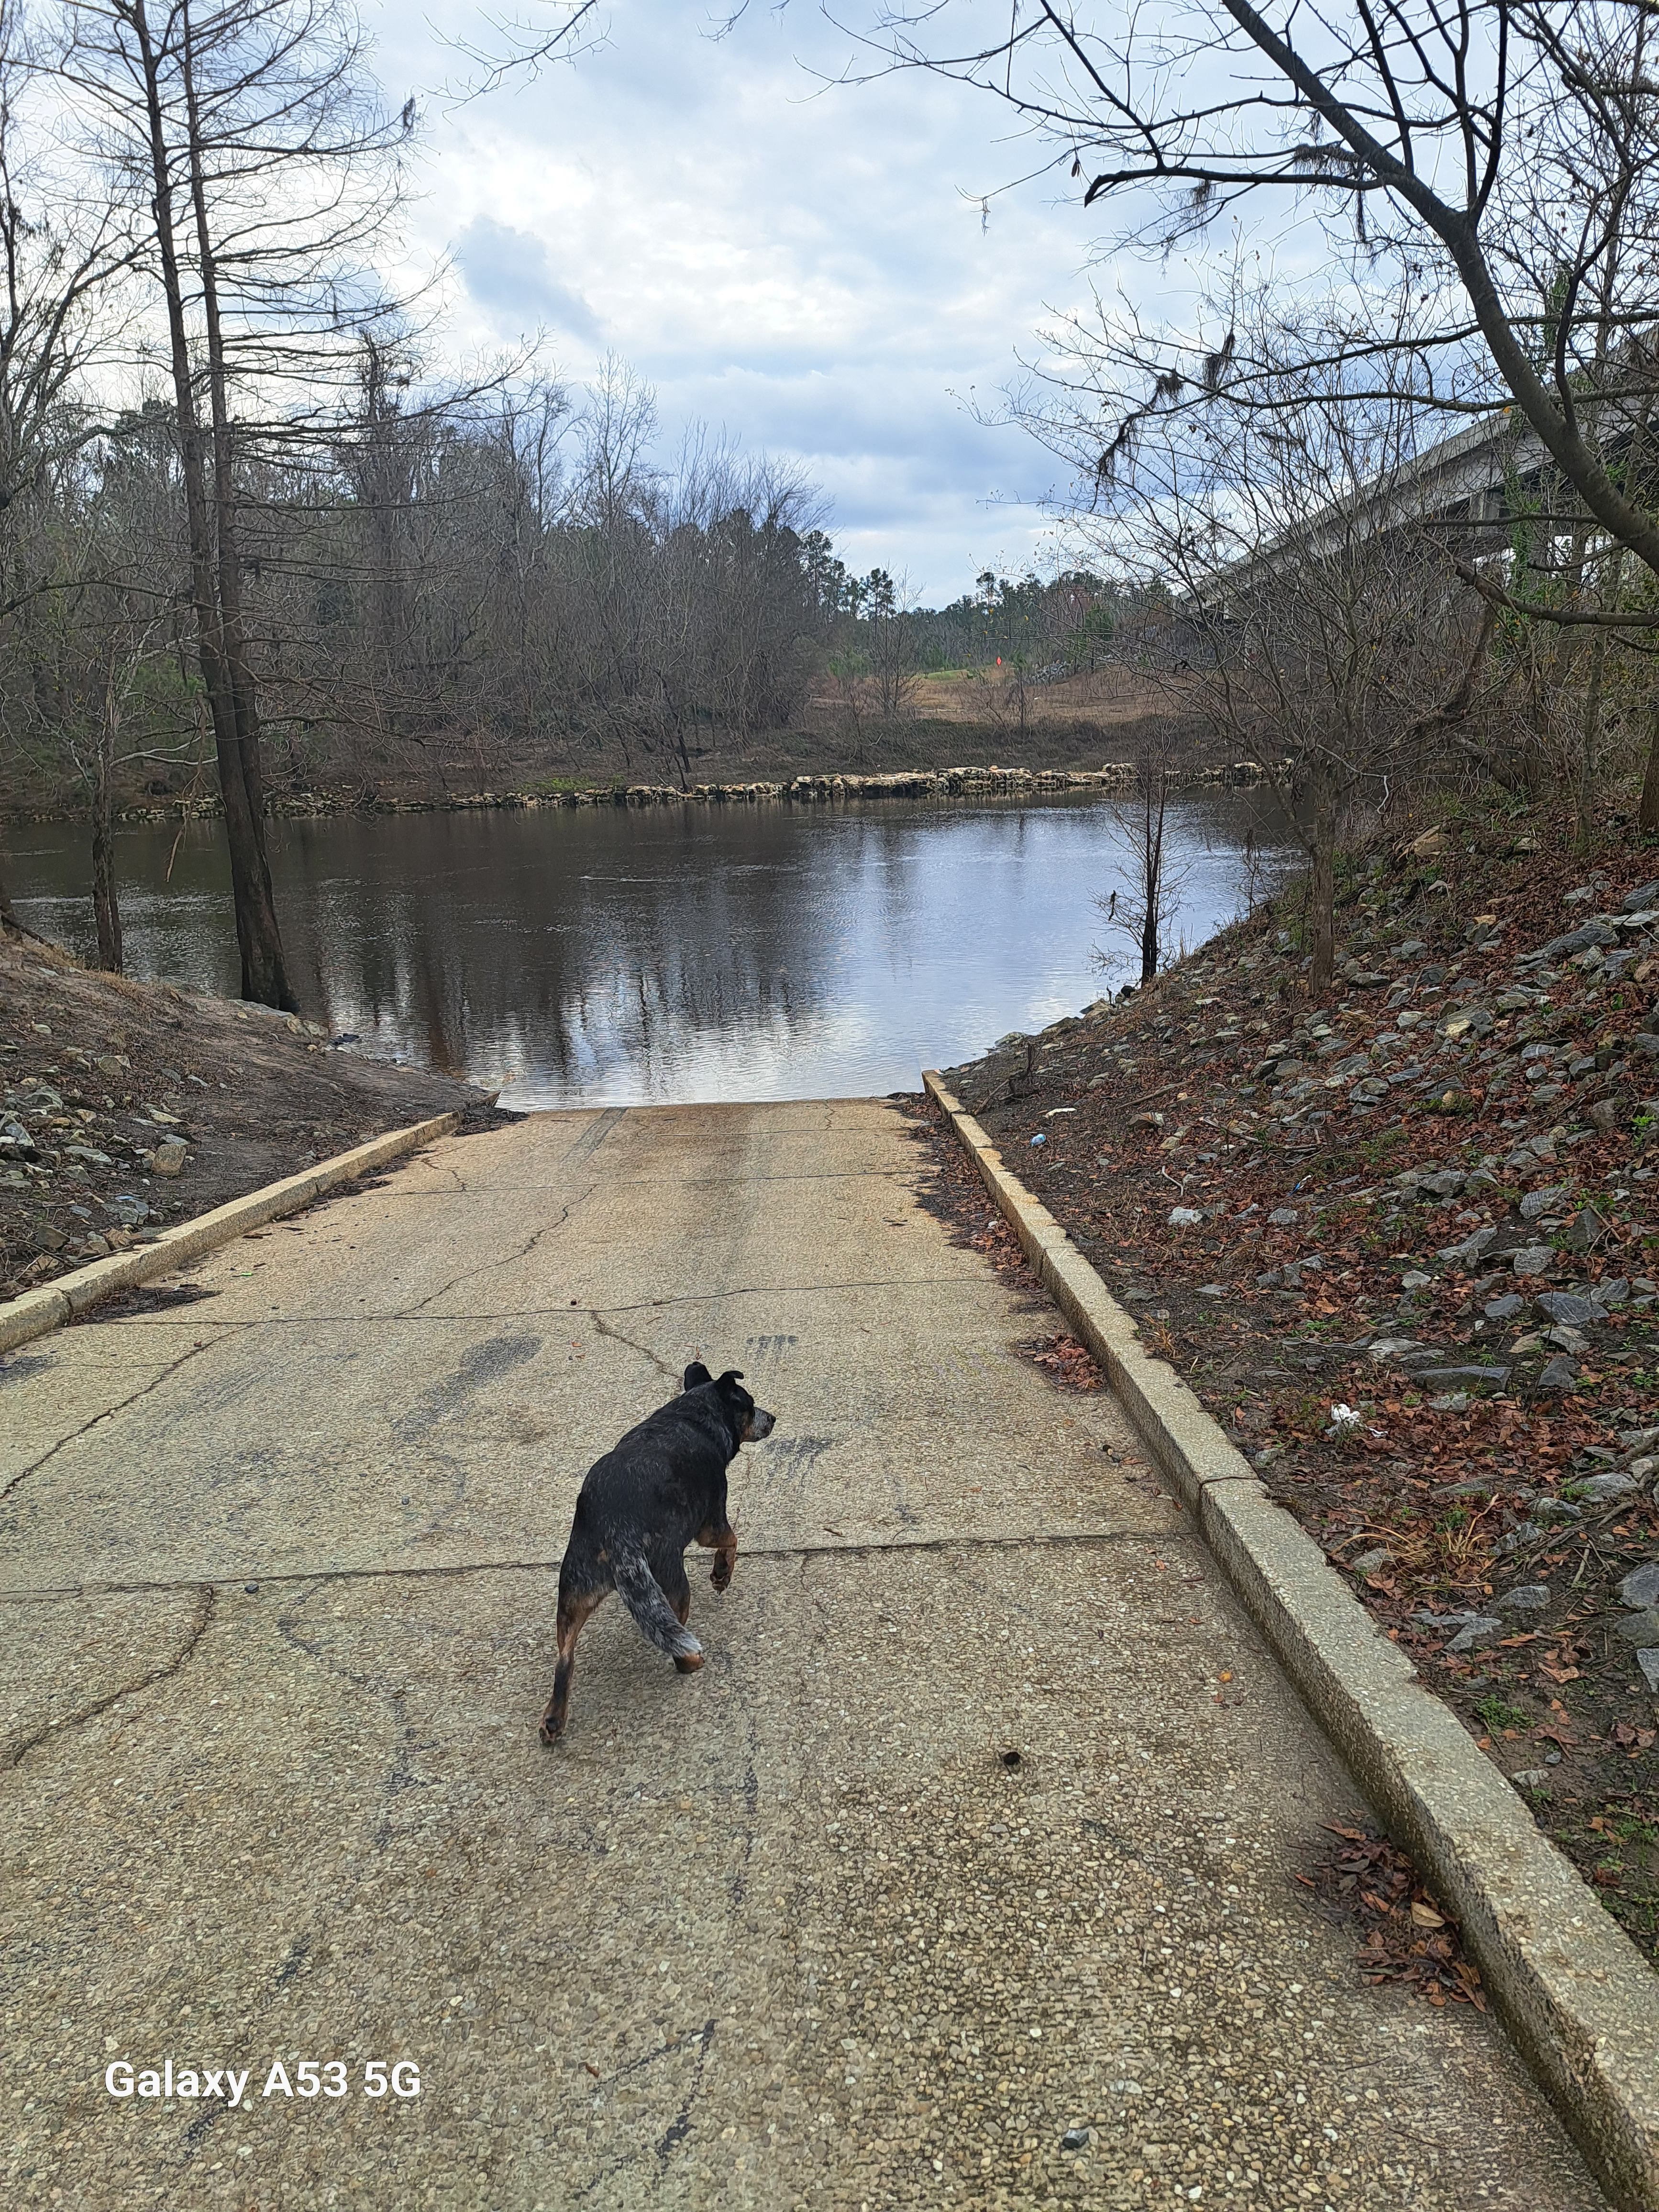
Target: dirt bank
<point>125,1107</point>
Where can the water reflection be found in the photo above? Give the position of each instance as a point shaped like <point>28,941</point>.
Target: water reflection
<point>597,955</point>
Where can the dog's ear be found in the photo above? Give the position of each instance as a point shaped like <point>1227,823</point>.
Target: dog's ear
<point>697,1375</point>
<point>731,1383</point>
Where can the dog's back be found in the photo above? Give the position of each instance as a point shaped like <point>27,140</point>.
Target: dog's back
<point>660,1487</point>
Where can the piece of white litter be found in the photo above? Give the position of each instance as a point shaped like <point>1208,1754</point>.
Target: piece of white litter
<point>1344,1417</point>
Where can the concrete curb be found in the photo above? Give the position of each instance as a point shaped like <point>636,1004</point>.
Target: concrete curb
<point>1574,1993</point>
<point>37,1311</point>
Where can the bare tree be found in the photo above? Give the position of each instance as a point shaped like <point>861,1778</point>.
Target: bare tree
<point>247,135</point>
<point>1144,907</point>
<point>1309,614</point>
<point>1493,163</point>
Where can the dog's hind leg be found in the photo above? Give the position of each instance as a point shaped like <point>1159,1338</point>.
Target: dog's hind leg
<point>670,1573</point>
<point>643,1595</point>
<point>574,1607</point>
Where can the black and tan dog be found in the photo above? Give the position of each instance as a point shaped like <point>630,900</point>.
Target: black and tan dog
<point>641,1504</point>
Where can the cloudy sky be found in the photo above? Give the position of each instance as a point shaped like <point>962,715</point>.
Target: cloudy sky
<point>807,269</point>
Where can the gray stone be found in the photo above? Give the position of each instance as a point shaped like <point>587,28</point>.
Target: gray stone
<point>1555,1508</point>
<point>1075,2139</point>
<point>1641,1586</point>
<point>1532,1778</point>
<point>1601,1488</point>
<point>1471,1249</point>
<point>1567,1339</point>
<point>1477,1628</point>
<point>1283,1217</point>
<point>1641,1628</point>
<point>93,1159</point>
<point>1269,1281</point>
<point>1471,1628</point>
<point>1505,1309</point>
<point>1638,1440</point>
<point>1644,1041</point>
<point>1537,1202</point>
<point>1648,1663</point>
<point>1368,1563</point>
<point>1637,901</point>
<point>1383,1349</point>
<point>1586,1230</point>
<point>1560,1374</point>
<point>1416,1280</point>
<point>1446,1184</point>
<point>1533,1259</point>
<point>1528,1597</point>
<point>1567,1306</point>
<point>1612,1293</point>
<point>1581,939</point>
<point>1452,1378</point>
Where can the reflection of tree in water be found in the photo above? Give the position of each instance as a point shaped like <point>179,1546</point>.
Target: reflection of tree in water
<point>568,944</point>
<point>732,951</point>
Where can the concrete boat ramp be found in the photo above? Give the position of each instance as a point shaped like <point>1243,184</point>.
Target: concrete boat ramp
<point>962,1874</point>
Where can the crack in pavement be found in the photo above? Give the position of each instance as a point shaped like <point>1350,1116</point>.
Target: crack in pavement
<point>674,1374</point>
<point>107,1414</point>
<point>503,1259</point>
<point>208,1600</point>
<point>853,1547</point>
<point>414,1314</point>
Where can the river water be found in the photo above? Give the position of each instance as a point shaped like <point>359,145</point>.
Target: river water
<point>597,955</point>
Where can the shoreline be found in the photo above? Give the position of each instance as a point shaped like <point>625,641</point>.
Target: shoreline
<point>828,789</point>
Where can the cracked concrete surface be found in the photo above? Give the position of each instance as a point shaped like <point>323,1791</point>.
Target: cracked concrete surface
<point>796,1930</point>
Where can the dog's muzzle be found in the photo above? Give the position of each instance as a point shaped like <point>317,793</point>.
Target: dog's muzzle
<point>761,1423</point>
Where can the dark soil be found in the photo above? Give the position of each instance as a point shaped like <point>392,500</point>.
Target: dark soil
<point>113,1069</point>
<point>1474,1406</point>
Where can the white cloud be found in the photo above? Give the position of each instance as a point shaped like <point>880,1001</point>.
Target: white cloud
<point>799,266</point>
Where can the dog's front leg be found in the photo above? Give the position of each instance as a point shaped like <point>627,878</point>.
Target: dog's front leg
<point>722,1540</point>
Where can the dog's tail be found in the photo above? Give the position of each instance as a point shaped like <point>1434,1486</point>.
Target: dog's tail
<point>643,1595</point>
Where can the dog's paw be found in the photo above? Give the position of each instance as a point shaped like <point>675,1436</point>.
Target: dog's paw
<point>551,1729</point>
<point>720,1573</point>
<point>689,1663</point>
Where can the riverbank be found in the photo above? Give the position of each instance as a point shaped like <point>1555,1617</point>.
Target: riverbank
<point>1404,1245</point>
<point>129,1107</point>
<point>969,782</point>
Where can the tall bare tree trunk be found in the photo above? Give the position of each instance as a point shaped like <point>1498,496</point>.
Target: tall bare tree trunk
<point>8,912</point>
<point>232,631</point>
<point>264,976</point>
